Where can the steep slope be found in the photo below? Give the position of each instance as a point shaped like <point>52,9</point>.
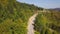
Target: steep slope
<point>14,16</point>
<point>48,22</point>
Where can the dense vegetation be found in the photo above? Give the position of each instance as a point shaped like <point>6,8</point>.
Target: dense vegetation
<point>48,22</point>
<point>14,16</point>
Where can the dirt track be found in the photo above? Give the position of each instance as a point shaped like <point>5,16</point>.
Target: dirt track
<point>30,24</point>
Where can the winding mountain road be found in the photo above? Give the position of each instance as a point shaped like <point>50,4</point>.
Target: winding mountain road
<point>30,24</point>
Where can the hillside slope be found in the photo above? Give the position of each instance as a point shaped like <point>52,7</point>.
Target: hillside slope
<point>14,16</point>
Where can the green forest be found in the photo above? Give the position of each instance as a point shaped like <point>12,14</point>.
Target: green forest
<point>14,16</point>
